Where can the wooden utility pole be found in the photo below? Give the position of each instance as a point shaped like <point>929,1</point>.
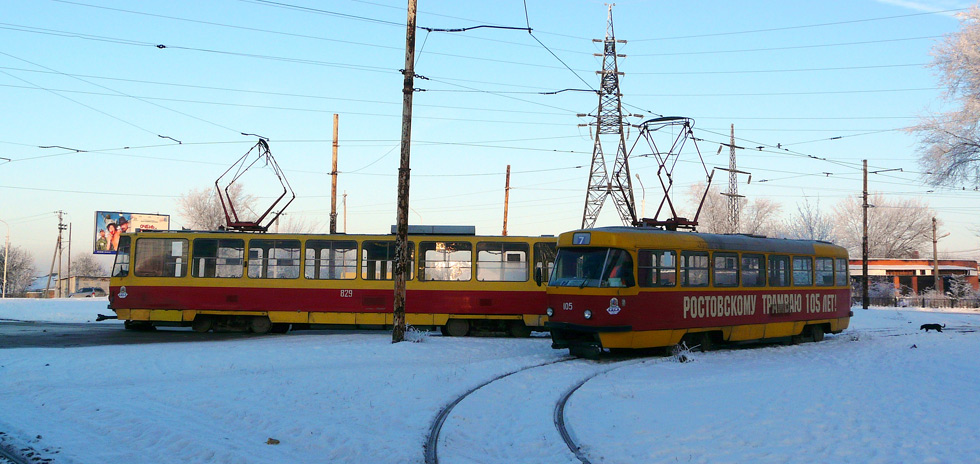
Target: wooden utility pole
<point>506,199</point>
<point>865,299</point>
<point>333,182</point>
<point>57,255</point>
<point>401,239</point>
<point>935,260</point>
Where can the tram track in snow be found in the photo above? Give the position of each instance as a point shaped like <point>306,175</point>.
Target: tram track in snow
<point>557,412</point>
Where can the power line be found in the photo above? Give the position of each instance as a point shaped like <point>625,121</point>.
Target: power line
<point>803,26</point>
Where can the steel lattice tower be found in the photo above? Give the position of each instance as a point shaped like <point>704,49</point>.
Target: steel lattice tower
<point>609,121</point>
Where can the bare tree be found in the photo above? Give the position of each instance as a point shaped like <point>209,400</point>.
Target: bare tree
<point>292,224</point>
<point>20,271</point>
<point>809,223</point>
<point>896,228</point>
<point>202,209</point>
<point>760,217</point>
<point>949,148</point>
<point>86,265</point>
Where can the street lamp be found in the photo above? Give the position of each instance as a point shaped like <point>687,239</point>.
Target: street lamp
<point>6,254</point>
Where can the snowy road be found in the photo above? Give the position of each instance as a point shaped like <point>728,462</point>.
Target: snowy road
<point>864,396</point>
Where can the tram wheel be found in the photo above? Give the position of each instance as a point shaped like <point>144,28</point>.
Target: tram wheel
<point>707,343</point>
<point>518,329</point>
<point>279,328</point>
<point>201,324</point>
<point>139,326</point>
<point>260,324</point>
<point>817,332</point>
<point>457,327</point>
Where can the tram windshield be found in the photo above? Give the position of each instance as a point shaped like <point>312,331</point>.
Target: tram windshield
<point>592,267</point>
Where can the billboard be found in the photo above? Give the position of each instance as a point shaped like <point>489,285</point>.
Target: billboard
<point>109,224</point>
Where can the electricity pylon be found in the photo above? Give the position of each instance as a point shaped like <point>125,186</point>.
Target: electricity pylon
<point>609,121</point>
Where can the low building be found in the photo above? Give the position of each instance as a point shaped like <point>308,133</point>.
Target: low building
<point>917,275</point>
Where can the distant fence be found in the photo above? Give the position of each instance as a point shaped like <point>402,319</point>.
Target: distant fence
<point>921,301</point>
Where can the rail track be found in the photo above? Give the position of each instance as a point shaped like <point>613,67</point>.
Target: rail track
<point>591,370</point>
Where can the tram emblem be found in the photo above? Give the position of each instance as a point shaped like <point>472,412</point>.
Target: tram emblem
<point>613,306</point>
<point>122,292</point>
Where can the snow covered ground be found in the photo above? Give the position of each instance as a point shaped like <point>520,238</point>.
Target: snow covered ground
<point>866,395</point>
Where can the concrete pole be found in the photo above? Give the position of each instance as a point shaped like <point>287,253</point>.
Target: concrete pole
<point>506,199</point>
<point>401,239</point>
<point>333,175</point>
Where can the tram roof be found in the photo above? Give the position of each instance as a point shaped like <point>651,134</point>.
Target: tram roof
<point>734,242</point>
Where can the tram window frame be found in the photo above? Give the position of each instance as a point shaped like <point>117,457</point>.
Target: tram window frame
<point>652,271</point>
<point>286,253</point>
<point>377,260</point>
<point>802,271</point>
<point>161,257</point>
<point>330,259</point>
<point>824,270</point>
<point>544,261</point>
<point>217,258</point>
<point>748,271</point>
<point>120,265</point>
<point>689,269</point>
<point>775,279</point>
<point>451,268</point>
<point>730,274</point>
<point>841,272</point>
<point>502,261</point>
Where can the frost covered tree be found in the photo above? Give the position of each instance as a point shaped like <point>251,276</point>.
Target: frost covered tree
<point>949,147</point>
<point>20,270</point>
<point>896,228</point>
<point>87,266</point>
<point>201,209</point>
<point>761,217</point>
<point>809,223</point>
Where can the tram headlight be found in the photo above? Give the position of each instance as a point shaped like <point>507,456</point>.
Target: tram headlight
<point>588,314</point>
<point>550,312</point>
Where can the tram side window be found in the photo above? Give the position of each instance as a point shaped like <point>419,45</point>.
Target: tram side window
<point>726,270</point>
<point>161,257</point>
<point>218,258</point>
<point>120,267</point>
<point>840,272</point>
<point>331,259</point>
<point>694,269</point>
<point>544,260</point>
<point>502,261</point>
<point>445,261</point>
<point>778,271</point>
<point>753,270</point>
<point>657,268</point>
<point>825,272</point>
<point>802,271</point>
<point>273,259</point>
<point>378,260</point>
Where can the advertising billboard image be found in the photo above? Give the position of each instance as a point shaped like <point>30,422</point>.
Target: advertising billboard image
<point>109,224</point>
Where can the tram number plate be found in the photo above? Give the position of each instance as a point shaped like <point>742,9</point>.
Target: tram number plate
<point>567,306</point>
<point>347,293</point>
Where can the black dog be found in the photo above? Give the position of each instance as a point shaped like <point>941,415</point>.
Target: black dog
<point>936,327</point>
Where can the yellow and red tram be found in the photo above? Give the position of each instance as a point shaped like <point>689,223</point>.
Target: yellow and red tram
<point>639,287</point>
<point>267,282</point>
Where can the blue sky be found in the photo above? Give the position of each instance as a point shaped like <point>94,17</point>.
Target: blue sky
<point>832,81</point>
